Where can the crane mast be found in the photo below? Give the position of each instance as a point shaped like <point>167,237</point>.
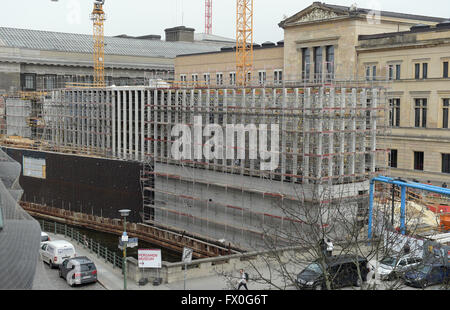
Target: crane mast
<point>244,41</point>
<point>98,17</point>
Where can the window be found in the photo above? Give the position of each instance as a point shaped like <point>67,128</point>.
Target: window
<point>446,105</point>
<point>445,163</point>
<point>50,81</point>
<point>445,69</point>
<point>278,77</point>
<point>29,82</point>
<point>393,158</point>
<point>183,78</point>
<point>249,77</point>
<point>417,71</point>
<point>424,70</point>
<point>232,78</point>
<point>195,77</point>
<point>306,64</point>
<point>398,69</point>
<point>391,72</point>
<point>330,62</point>
<point>420,113</point>
<point>219,78</point>
<point>371,73</point>
<point>207,78</point>
<point>394,114</point>
<point>262,77</point>
<point>317,63</point>
<point>418,160</point>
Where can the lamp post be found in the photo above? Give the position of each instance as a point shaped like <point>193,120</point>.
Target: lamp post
<point>124,213</point>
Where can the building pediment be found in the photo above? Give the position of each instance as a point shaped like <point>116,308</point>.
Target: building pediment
<point>314,13</point>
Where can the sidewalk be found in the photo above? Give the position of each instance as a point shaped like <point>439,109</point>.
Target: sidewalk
<point>112,278</point>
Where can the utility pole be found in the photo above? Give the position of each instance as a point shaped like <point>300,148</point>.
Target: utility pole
<point>124,213</point>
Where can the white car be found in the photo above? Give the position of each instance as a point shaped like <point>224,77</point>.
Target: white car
<point>55,252</point>
<point>44,237</point>
<point>391,267</point>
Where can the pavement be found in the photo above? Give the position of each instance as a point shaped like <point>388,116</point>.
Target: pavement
<point>112,279</point>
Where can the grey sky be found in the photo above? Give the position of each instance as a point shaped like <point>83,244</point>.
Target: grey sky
<point>141,17</point>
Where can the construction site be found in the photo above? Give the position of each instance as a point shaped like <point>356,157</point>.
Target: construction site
<point>257,161</point>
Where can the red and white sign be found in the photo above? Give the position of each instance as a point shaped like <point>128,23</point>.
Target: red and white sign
<point>149,258</point>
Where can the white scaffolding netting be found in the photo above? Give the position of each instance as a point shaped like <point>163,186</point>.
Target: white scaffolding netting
<point>20,236</point>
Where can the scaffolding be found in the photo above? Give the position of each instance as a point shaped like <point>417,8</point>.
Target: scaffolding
<point>327,148</point>
<point>323,135</point>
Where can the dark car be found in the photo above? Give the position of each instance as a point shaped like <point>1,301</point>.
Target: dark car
<point>78,270</point>
<point>427,274</point>
<point>342,271</point>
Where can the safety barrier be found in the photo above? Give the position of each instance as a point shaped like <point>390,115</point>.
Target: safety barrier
<point>87,243</point>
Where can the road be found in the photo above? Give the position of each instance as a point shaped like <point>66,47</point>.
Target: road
<point>48,279</point>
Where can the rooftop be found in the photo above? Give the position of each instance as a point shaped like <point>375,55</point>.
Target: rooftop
<point>444,26</point>
<point>81,43</point>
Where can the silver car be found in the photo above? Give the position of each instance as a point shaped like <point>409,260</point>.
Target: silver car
<point>78,270</point>
<point>392,267</point>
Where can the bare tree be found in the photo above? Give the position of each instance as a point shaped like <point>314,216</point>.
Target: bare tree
<point>331,213</point>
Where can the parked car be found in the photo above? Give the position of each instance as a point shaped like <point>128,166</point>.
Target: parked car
<point>342,272</point>
<point>428,274</point>
<point>55,252</point>
<point>44,237</point>
<point>392,267</point>
<point>78,270</point>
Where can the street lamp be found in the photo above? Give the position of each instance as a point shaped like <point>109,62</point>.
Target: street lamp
<point>124,213</point>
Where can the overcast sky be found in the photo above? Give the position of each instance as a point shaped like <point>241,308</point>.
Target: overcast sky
<point>142,17</point>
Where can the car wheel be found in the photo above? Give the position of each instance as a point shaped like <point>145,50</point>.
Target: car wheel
<point>358,282</point>
<point>318,287</point>
<point>424,284</point>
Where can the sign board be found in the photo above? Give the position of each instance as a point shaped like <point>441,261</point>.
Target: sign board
<point>131,243</point>
<point>124,237</point>
<point>148,258</point>
<point>187,255</point>
<point>34,167</point>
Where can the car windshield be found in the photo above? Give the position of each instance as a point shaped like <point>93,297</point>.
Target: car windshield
<point>44,238</point>
<point>424,269</point>
<point>87,267</point>
<point>314,267</point>
<point>389,261</point>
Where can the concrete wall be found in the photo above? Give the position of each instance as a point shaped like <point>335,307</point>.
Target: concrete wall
<point>9,77</point>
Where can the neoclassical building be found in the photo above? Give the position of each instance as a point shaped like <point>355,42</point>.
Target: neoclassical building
<point>325,43</point>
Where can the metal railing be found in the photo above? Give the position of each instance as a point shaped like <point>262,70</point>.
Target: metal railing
<point>94,247</point>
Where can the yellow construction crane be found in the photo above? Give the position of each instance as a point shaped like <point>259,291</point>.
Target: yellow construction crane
<point>244,41</point>
<point>98,17</point>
